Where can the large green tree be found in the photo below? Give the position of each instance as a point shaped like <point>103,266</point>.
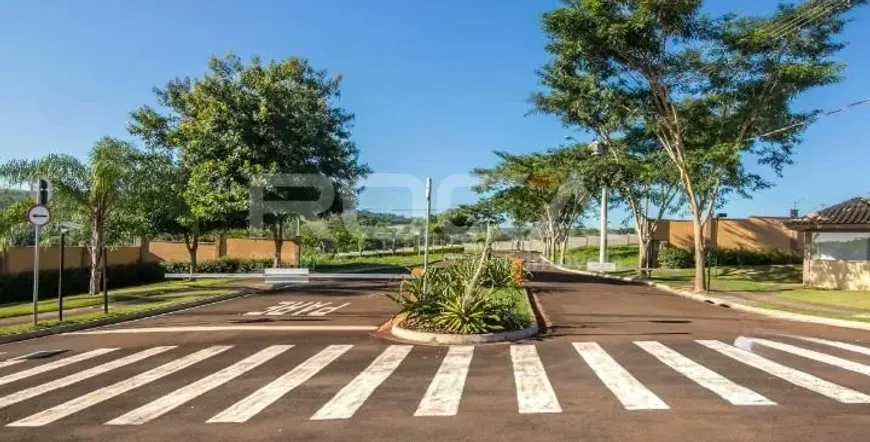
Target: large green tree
<point>238,125</point>
<point>546,189</point>
<point>98,193</point>
<point>711,91</point>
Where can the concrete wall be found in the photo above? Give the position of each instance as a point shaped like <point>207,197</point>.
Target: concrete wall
<point>20,259</point>
<point>260,249</point>
<point>242,248</point>
<point>843,275</point>
<point>177,251</point>
<point>750,233</point>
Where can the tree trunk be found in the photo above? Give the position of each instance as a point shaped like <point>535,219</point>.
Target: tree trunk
<point>700,276</point>
<point>564,249</point>
<point>191,241</point>
<point>278,238</point>
<point>96,252</point>
<point>643,253</point>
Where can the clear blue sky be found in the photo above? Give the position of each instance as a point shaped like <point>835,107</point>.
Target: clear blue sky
<point>436,85</point>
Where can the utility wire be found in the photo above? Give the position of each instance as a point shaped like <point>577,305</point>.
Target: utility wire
<point>810,17</point>
<point>813,119</point>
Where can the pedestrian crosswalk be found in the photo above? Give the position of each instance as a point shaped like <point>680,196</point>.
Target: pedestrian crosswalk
<point>354,381</point>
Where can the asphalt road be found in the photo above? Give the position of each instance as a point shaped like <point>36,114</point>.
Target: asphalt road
<point>622,362</point>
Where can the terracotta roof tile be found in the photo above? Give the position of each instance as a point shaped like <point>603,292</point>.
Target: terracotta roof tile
<point>853,211</point>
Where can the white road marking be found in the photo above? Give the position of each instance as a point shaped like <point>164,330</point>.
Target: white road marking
<point>816,356</point>
<point>328,310</point>
<point>444,393</point>
<point>626,388</point>
<point>171,401</point>
<point>11,362</point>
<point>220,328</point>
<point>56,384</point>
<point>796,377</point>
<point>345,403</point>
<point>703,376</point>
<point>53,365</point>
<point>95,397</point>
<point>841,345</point>
<point>248,407</point>
<point>534,392</point>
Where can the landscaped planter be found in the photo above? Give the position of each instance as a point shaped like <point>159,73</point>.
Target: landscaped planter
<point>454,339</point>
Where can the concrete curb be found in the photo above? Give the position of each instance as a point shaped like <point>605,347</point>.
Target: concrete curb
<point>843,323</point>
<point>487,338</point>
<point>125,318</point>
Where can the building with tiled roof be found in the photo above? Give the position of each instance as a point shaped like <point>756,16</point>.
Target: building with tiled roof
<point>837,245</point>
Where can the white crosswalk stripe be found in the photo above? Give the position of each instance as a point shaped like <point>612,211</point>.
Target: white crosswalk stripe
<point>535,394</point>
<point>175,399</point>
<point>66,381</point>
<point>816,356</point>
<point>709,379</point>
<point>534,391</point>
<point>95,397</point>
<point>796,377</point>
<point>444,393</point>
<point>345,403</point>
<point>626,388</point>
<point>54,365</point>
<point>248,407</point>
<point>11,362</point>
<point>841,345</point>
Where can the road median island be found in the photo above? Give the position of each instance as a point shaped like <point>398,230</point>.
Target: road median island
<point>536,325</point>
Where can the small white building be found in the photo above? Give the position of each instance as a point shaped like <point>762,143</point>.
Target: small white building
<point>837,245</point>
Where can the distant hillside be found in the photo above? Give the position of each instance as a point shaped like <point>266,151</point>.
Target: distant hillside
<point>383,218</point>
<point>9,196</point>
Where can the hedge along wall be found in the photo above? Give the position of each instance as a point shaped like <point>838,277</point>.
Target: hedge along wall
<point>19,287</point>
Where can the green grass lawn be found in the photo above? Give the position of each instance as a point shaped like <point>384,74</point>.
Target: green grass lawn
<point>625,257</point>
<point>838,298</point>
<point>144,294</point>
<point>152,304</point>
<point>735,279</point>
<point>516,296</point>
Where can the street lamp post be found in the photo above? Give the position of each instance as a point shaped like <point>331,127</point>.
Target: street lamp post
<point>599,148</point>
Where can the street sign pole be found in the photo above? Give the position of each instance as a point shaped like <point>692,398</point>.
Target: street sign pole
<point>36,275</point>
<point>38,216</point>
<point>60,276</point>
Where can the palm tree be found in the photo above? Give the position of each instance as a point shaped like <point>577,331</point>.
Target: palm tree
<point>90,193</point>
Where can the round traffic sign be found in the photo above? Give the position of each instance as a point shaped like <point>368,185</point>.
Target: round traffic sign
<point>38,215</point>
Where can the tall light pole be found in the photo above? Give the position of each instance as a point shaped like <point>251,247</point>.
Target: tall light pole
<point>599,148</point>
<point>428,215</point>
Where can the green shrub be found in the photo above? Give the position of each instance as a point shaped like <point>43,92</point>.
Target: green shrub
<point>19,287</point>
<point>753,257</point>
<point>676,258</point>
<point>498,273</point>
<point>671,257</point>
<point>221,265</point>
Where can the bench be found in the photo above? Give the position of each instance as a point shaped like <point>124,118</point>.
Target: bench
<point>286,276</point>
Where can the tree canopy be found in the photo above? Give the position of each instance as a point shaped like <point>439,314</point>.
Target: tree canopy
<point>710,92</point>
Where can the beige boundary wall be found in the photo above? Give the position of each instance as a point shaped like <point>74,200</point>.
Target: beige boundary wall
<point>755,232</point>
<point>20,259</point>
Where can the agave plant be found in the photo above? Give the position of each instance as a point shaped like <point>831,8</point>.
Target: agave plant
<point>468,314</point>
